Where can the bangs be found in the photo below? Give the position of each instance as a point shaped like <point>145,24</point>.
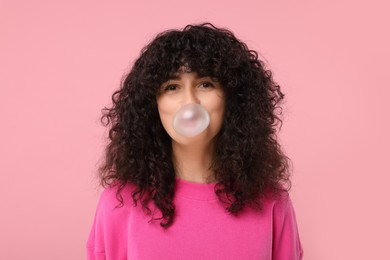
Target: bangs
<point>181,53</point>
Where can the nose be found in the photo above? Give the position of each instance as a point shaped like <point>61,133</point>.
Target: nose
<point>190,96</point>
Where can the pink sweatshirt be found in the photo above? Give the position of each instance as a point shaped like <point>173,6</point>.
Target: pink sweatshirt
<point>202,229</point>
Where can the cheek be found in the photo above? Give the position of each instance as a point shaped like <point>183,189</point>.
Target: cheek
<point>166,112</point>
<point>217,109</point>
<point>218,117</point>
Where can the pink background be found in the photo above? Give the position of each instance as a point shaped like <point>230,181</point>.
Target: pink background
<point>61,61</point>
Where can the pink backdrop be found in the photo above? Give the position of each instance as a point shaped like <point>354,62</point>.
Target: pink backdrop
<point>61,61</point>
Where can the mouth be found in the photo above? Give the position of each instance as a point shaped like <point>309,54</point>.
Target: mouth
<point>191,120</point>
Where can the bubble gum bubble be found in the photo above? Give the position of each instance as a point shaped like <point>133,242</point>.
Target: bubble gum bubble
<point>191,120</point>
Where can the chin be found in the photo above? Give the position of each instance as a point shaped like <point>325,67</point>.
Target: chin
<point>203,138</point>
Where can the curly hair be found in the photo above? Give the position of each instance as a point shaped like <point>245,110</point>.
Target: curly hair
<point>248,161</point>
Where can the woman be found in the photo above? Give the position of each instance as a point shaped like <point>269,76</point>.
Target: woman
<point>193,140</point>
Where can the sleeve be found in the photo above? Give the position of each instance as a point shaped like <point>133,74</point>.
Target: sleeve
<point>95,242</point>
<point>108,236</point>
<point>286,241</point>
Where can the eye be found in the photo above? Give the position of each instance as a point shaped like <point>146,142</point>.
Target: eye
<point>170,88</point>
<point>206,85</point>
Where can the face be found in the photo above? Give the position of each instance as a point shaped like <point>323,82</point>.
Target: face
<point>188,88</point>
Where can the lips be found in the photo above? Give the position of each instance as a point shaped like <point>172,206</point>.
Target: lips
<point>191,120</point>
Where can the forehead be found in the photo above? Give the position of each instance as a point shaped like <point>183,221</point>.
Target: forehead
<point>184,69</point>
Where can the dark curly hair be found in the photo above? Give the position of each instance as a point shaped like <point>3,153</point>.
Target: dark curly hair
<point>248,160</point>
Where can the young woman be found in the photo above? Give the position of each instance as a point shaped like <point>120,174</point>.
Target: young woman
<point>193,169</point>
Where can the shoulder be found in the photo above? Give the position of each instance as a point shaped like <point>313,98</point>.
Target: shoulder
<point>282,201</point>
<point>279,205</point>
<point>277,201</point>
<point>115,196</point>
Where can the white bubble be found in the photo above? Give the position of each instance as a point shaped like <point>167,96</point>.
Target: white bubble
<point>191,120</point>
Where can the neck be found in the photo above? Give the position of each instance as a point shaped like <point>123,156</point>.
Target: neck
<point>192,162</point>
